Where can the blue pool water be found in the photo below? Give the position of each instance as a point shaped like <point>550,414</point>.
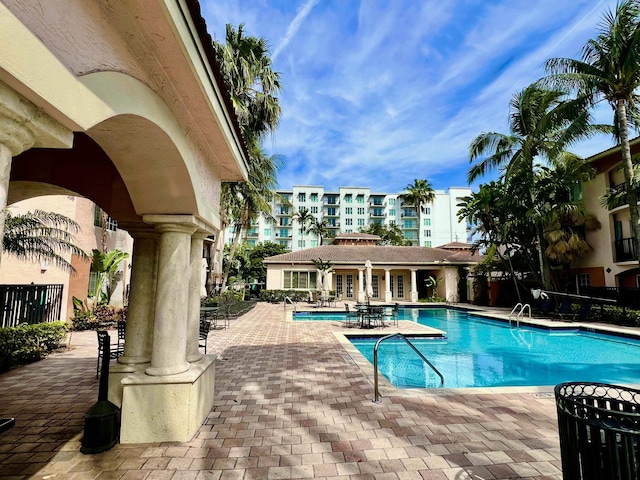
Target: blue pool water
<point>478,352</point>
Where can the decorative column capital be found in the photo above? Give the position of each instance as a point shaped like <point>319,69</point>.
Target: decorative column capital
<point>23,125</point>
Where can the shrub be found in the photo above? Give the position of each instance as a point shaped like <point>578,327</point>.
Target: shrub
<point>29,343</point>
<point>277,296</point>
<point>102,316</point>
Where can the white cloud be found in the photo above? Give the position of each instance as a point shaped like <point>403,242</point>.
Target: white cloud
<point>378,92</point>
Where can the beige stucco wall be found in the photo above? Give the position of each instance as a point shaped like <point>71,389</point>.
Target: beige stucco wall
<point>107,74</point>
<point>81,210</point>
<point>602,240</point>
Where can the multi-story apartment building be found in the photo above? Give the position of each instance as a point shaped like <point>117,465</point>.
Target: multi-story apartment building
<point>350,209</point>
<point>613,261</point>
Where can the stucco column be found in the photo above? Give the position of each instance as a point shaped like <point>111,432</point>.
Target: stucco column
<point>388,295</point>
<point>414,286</point>
<point>22,126</point>
<point>139,329</point>
<point>195,288</point>
<point>168,352</point>
<point>361,285</point>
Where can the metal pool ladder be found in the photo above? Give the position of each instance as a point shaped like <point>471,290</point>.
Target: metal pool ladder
<point>519,310</point>
<point>287,299</point>
<point>376,392</point>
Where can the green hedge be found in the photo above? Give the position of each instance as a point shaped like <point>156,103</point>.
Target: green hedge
<point>614,315</point>
<point>29,343</point>
<point>277,296</point>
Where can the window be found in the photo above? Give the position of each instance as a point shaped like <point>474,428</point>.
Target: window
<point>427,233</point>
<point>361,222</point>
<point>427,243</point>
<point>284,243</point>
<point>339,283</point>
<point>392,212</point>
<point>332,222</point>
<point>348,210</point>
<point>427,210</point>
<point>377,212</point>
<point>314,197</point>
<point>314,209</point>
<point>348,198</point>
<point>301,243</point>
<point>376,221</point>
<point>348,230</point>
<point>377,200</point>
<point>293,279</point>
<point>284,221</point>
<point>408,224</point>
<point>331,211</point>
<point>348,221</point>
<point>392,202</point>
<point>313,243</point>
<point>427,222</point>
<point>112,225</point>
<point>360,199</point>
<point>331,199</point>
<point>283,232</point>
<point>267,232</point>
<point>301,231</point>
<point>302,197</point>
<point>360,210</point>
<point>584,280</point>
<point>251,243</point>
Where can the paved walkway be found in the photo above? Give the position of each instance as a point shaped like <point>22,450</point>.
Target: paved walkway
<point>290,403</point>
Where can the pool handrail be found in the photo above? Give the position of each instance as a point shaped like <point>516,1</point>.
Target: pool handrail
<point>376,391</point>
<point>286,298</point>
<point>523,308</point>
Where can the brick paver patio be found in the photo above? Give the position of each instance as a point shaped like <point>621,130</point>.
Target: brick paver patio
<point>290,403</point>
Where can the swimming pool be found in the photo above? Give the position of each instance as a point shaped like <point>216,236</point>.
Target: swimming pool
<point>479,352</point>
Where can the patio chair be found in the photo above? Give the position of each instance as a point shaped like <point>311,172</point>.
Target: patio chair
<point>546,306</point>
<point>580,314</point>
<point>104,341</point>
<point>564,310</point>
<point>350,316</point>
<point>205,328</point>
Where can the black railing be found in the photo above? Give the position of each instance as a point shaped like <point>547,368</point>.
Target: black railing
<point>625,249</point>
<point>628,297</point>
<point>29,304</point>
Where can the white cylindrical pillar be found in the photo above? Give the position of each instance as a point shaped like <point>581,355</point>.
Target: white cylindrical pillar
<point>140,317</point>
<point>168,353</point>
<point>195,289</point>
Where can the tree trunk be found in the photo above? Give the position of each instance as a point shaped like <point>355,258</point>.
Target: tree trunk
<point>236,240</point>
<point>632,197</point>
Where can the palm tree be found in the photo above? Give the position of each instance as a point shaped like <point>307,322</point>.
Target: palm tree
<point>543,124</point>
<point>610,71</point>
<point>303,217</point>
<point>319,228</point>
<point>419,193</point>
<point>40,236</point>
<point>247,200</point>
<point>253,85</point>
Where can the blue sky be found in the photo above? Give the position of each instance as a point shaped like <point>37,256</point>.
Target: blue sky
<point>377,93</point>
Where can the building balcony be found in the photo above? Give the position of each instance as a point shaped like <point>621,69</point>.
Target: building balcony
<point>283,212</point>
<point>413,227</point>
<point>625,250</point>
<point>409,215</point>
<point>378,214</point>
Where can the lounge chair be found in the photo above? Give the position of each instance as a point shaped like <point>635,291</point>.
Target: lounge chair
<point>564,310</point>
<point>546,306</point>
<point>580,314</point>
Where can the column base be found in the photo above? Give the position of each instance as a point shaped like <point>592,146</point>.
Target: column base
<point>387,296</point>
<point>169,408</point>
<point>414,296</point>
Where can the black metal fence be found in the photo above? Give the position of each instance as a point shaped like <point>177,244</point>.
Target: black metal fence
<point>29,304</point>
<point>628,297</point>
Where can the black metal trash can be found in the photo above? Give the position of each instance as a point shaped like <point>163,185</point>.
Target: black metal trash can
<point>599,427</point>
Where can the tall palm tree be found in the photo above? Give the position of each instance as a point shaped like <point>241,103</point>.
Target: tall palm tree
<point>419,193</point>
<point>41,236</point>
<point>610,70</point>
<point>543,124</point>
<point>247,200</point>
<point>304,217</point>
<point>253,86</point>
<point>320,228</point>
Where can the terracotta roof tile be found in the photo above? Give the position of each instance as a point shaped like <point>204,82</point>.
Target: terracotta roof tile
<point>343,254</point>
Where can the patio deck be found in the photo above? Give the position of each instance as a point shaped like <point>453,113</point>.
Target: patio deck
<point>289,404</point>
